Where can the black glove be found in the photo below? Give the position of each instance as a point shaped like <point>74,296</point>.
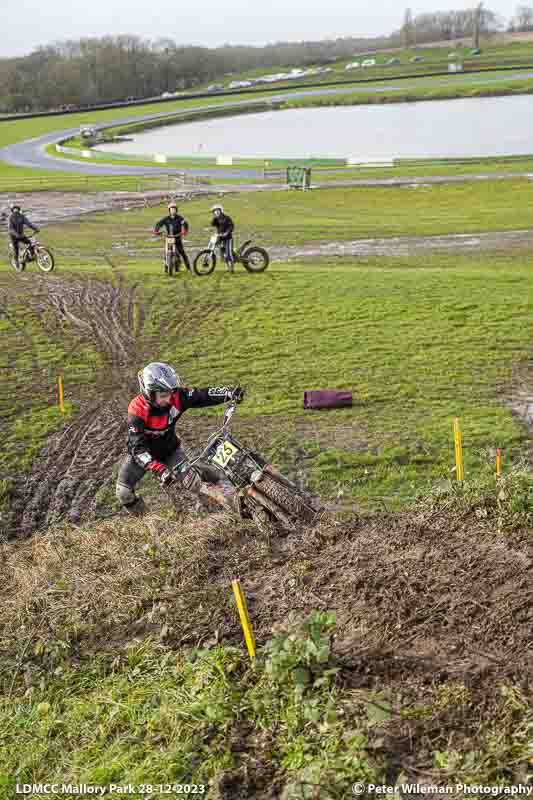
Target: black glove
<point>236,395</point>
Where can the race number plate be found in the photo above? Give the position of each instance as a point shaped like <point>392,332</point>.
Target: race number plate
<point>225,452</point>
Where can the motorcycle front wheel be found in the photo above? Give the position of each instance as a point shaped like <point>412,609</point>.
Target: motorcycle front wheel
<point>204,263</point>
<point>288,498</point>
<point>45,259</point>
<point>255,259</point>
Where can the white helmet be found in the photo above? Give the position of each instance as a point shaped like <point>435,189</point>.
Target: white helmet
<point>217,208</point>
<point>157,377</point>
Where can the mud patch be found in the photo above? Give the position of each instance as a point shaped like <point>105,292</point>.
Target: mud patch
<point>78,460</point>
<point>409,245</point>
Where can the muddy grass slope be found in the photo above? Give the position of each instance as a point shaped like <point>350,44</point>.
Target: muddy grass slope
<point>426,675</point>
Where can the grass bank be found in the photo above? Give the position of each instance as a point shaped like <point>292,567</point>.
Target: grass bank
<point>122,658</point>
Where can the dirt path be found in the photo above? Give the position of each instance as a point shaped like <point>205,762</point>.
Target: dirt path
<point>408,245</point>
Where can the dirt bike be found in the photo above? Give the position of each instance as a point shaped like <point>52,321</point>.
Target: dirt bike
<point>253,259</point>
<point>242,481</point>
<point>172,257</point>
<point>31,252</point>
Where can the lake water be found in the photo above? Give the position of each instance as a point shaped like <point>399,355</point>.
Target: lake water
<point>464,127</point>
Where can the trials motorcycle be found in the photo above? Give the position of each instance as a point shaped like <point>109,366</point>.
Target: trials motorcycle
<point>242,481</point>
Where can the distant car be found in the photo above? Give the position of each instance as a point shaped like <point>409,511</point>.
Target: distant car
<point>167,94</point>
<point>475,52</point>
<point>368,62</point>
<point>216,87</point>
<point>393,61</point>
<point>414,59</point>
<point>352,65</point>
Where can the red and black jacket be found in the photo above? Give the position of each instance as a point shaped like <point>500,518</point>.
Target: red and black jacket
<point>151,430</point>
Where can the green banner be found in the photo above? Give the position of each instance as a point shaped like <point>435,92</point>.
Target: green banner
<point>299,177</point>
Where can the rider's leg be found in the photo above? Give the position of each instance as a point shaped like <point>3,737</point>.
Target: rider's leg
<point>228,253</point>
<point>15,241</point>
<point>183,254</point>
<point>129,475</point>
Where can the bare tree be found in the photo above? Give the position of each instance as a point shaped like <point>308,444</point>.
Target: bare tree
<point>476,24</point>
<point>523,19</point>
<point>407,28</point>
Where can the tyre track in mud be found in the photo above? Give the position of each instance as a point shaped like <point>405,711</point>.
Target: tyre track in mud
<point>78,460</point>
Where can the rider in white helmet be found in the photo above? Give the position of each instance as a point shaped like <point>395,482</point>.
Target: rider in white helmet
<point>224,225</point>
<point>153,445</point>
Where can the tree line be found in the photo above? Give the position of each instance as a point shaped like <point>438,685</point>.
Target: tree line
<point>109,69</point>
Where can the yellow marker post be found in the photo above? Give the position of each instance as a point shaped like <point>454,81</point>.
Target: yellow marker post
<point>459,468</point>
<point>498,462</point>
<point>245,618</point>
<point>61,403</point>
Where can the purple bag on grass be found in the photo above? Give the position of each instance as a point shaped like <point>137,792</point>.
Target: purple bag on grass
<point>327,398</point>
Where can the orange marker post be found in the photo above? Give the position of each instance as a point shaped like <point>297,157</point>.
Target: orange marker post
<point>498,462</point>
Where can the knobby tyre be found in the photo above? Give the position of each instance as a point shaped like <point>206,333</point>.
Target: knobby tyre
<point>204,263</point>
<point>255,259</point>
<point>289,500</point>
<point>45,259</point>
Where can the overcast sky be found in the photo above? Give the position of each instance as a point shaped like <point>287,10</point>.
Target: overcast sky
<point>26,24</point>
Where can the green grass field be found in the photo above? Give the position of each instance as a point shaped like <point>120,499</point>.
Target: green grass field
<point>418,340</point>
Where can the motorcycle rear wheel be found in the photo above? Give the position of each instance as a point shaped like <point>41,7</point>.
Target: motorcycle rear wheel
<point>255,259</point>
<point>204,263</point>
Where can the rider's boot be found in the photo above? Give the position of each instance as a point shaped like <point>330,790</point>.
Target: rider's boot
<point>137,508</point>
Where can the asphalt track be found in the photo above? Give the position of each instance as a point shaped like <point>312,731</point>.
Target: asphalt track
<point>32,152</point>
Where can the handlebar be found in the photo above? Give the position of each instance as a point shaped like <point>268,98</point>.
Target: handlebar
<point>229,412</point>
